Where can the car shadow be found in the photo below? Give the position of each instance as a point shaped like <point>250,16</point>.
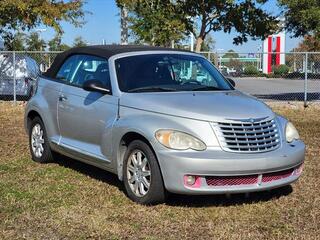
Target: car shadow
<point>227,200</point>
<point>176,199</point>
<point>89,170</point>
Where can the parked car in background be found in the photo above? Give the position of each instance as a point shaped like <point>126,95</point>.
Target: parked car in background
<point>230,72</point>
<point>25,72</point>
<point>163,120</point>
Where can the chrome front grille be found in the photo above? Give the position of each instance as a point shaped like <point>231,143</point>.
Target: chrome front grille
<point>246,136</point>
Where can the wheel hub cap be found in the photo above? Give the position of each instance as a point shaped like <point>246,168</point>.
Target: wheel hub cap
<point>37,141</point>
<point>138,173</point>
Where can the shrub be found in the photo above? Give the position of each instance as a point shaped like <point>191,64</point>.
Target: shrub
<point>251,70</point>
<point>281,70</point>
<point>271,75</point>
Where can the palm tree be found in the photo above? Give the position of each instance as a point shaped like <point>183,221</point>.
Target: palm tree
<point>35,43</point>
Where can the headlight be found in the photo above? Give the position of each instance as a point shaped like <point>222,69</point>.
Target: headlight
<point>179,140</point>
<point>291,133</point>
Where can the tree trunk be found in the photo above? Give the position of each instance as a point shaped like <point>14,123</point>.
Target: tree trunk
<point>202,35</point>
<point>199,44</point>
<point>124,25</point>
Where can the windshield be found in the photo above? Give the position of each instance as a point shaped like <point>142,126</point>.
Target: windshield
<point>168,72</point>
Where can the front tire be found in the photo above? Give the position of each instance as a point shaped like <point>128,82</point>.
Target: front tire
<point>38,142</point>
<point>141,174</point>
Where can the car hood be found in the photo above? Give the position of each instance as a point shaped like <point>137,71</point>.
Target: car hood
<point>206,106</point>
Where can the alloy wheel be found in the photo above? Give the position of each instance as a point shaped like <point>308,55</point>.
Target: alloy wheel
<point>138,173</point>
<point>37,140</point>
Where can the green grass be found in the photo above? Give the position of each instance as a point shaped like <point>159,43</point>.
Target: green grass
<point>72,200</point>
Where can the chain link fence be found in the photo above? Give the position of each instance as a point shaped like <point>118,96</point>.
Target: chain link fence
<point>296,79</point>
<point>290,76</point>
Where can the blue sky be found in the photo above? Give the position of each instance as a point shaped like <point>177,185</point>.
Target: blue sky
<point>104,23</point>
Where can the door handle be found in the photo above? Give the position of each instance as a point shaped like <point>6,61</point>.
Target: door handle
<point>62,98</point>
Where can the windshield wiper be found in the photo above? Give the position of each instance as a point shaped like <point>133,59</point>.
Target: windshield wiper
<point>152,89</point>
<point>206,88</point>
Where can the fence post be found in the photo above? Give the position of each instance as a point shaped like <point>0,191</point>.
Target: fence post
<point>306,80</point>
<point>14,78</point>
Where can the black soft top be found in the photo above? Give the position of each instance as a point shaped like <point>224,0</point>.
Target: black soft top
<point>104,51</point>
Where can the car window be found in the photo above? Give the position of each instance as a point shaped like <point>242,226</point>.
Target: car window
<point>78,69</point>
<point>190,71</point>
<point>168,72</point>
<point>65,70</point>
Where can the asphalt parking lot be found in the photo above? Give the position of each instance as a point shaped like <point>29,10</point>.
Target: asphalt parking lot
<point>279,89</point>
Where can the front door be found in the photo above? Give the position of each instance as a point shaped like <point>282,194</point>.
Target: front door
<point>86,118</point>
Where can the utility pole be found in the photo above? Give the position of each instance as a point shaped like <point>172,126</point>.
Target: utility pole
<point>124,25</point>
<point>191,42</point>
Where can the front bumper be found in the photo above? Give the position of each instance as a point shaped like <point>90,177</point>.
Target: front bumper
<point>175,165</point>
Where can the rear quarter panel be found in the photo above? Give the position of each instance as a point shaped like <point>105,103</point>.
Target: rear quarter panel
<point>44,102</point>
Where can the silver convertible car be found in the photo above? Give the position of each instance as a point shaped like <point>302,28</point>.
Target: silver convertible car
<point>163,120</point>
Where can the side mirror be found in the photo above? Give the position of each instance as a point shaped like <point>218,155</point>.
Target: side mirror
<point>232,82</point>
<point>95,86</point>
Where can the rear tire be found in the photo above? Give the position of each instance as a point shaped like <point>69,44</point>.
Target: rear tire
<point>38,142</point>
<point>141,174</point>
